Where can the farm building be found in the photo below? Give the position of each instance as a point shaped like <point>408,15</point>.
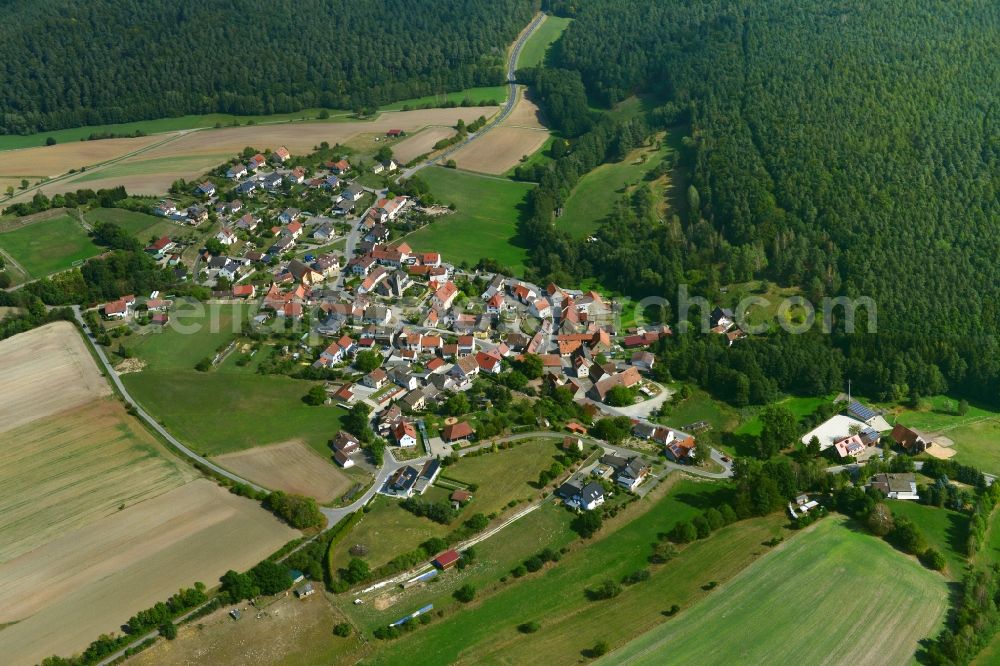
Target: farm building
<point>833,430</point>
<point>447,559</point>
<point>913,441</point>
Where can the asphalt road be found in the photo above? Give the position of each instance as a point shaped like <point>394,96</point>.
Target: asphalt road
<point>508,107</point>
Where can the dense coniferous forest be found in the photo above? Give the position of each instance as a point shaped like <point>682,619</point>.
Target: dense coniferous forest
<point>849,149</point>
<point>68,63</point>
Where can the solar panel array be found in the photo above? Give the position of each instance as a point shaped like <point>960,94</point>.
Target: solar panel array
<point>861,412</point>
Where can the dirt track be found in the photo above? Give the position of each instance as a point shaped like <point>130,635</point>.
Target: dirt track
<point>289,466</point>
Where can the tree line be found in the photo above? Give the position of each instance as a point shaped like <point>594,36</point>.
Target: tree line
<point>111,61</point>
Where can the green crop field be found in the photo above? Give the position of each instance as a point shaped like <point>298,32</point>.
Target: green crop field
<point>821,598</point>
<point>48,246</point>
<point>485,221</point>
<point>597,192</point>
<point>486,631</point>
<point>228,408</point>
<point>534,50</point>
<point>945,530</point>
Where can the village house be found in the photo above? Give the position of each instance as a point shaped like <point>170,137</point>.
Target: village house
<point>375,379</point>
<point>895,486</point>
<point>281,155</point>
<point>236,172</point>
<point>633,473</point>
<point>226,236</point>
<point>244,291</point>
<point>205,189</point>
<point>161,246</point>
<point>627,378</point>
<point>289,215</point>
<point>340,167</point>
<point>389,209</point>
<point>457,432</point>
<point>256,162</point>
<point>119,309</point>
<point>405,434</point>
<point>400,484</point>
<point>445,296</point>
<point>165,208</point>
<point>465,368</point>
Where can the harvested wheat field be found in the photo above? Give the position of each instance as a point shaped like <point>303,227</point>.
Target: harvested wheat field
<point>420,143</point>
<point>97,519</point>
<point>89,581</point>
<point>289,466</point>
<point>499,150</point>
<point>55,160</point>
<point>46,370</point>
<point>67,472</point>
<point>525,114</point>
<point>301,137</point>
<point>190,154</point>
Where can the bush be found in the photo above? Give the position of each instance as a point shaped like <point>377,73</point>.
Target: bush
<point>533,564</point>
<point>315,397</point>
<point>609,589</point>
<point>204,365</point>
<point>683,532</point>
<point>168,630</point>
<point>465,594</point>
<point>599,650</point>
<point>587,524</point>
<point>636,577</point>
<point>529,627</point>
<point>518,571</point>
<point>343,630</point>
<point>386,633</point>
<point>932,559</point>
